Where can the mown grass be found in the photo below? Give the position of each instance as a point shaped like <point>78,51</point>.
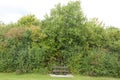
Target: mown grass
<point>13,76</point>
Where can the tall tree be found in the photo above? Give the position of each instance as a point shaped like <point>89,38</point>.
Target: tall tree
<point>63,27</point>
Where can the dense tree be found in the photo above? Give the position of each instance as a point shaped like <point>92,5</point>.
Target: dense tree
<point>63,28</point>
<point>28,20</point>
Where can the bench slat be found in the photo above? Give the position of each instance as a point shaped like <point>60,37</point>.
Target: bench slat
<point>60,67</point>
<point>60,71</point>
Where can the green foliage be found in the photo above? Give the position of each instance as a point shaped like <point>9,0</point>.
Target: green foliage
<point>114,39</point>
<point>65,37</point>
<point>97,63</point>
<point>28,20</point>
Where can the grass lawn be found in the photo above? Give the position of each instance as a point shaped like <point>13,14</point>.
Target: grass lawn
<point>13,76</point>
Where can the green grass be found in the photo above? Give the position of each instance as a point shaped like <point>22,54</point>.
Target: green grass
<point>13,76</point>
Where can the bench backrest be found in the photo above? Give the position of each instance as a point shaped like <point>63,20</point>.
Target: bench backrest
<point>60,67</point>
<point>60,70</point>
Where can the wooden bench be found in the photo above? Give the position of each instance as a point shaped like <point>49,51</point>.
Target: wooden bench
<point>60,70</point>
